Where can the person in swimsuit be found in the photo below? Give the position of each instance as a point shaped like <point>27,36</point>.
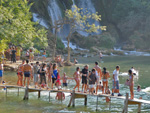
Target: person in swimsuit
<point>27,69</point>
<point>50,72</point>
<point>98,75</point>
<point>20,73</point>
<point>1,72</point>
<point>27,54</point>
<point>65,78</point>
<point>76,76</point>
<point>14,55</point>
<point>54,75</point>
<point>31,55</point>
<point>105,76</point>
<point>131,84</point>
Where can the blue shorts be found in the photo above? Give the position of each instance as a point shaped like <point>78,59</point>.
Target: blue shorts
<point>115,86</point>
<point>26,74</point>
<point>44,56</point>
<point>64,84</point>
<point>1,73</point>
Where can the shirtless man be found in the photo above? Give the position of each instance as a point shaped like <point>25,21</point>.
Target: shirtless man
<point>60,96</point>
<point>98,75</point>
<point>27,69</point>
<point>1,72</point>
<point>20,73</point>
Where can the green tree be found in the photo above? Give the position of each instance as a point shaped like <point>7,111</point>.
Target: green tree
<point>79,20</point>
<point>16,25</point>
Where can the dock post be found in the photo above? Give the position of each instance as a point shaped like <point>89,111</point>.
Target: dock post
<point>139,108</point>
<point>97,103</point>
<point>18,91</point>
<point>39,94</point>
<point>125,110</point>
<point>85,100</point>
<point>6,91</point>
<point>73,98</point>
<point>26,95</point>
<point>110,104</point>
<point>49,96</point>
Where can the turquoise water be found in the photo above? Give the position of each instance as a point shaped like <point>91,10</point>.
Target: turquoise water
<point>15,104</point>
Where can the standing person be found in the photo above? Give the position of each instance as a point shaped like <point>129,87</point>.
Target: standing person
<point>11,58</point>
<point>27,69</point>
<point>36,68</point>
<point>20,73</point>
<point>14,55</point>
<point>50,72</point>
<point>98,75</point>
<point>76,76</point>
<point>105,76</point>
<point>1,72</point>
<point>54,75</point>
<point>31,55</point>
<point>92,79</point>
<point>116,81</point>
<point>75,61</point>
<point>100,56</point>
<point>84,78</point>
<point>27,54</point>
<point>44,56</point>
<point>43,75</point>
<point>131,84</point>
<point>18,54</point>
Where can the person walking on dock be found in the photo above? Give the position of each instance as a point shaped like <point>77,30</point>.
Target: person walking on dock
<point>98,75</point>
<point>54,75</point>
<point>105,76</point>
<point>116,81</point>
<point>76,76</point>
<point>20,73</point>
<point>131,84</point>
<point>84,78</point>
<point>27,72</point>
<point>36,68</point>
<point>1,72</point>
<point>92,79</point>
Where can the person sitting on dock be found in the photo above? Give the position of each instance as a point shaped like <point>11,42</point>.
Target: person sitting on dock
<point>98,75</point>
<point>131,84</point>
<point>20,73</point>
<point>105,76</point>
<point>76,76</point>
<point>27,72</point>
<point>1,72</point>
<point>60,95</point>
<point>92,79</point>
<point>116,81</point>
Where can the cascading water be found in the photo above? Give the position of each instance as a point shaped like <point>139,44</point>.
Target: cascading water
<point>40,20</point>
<point>87,5</point>
<point>56,14</point>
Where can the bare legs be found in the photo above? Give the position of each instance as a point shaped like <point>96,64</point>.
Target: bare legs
<point>77,84</point>
<point>131,91</point>
<point>28,80</point>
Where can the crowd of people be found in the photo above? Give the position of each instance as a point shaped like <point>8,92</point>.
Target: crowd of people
<point>48,76</point>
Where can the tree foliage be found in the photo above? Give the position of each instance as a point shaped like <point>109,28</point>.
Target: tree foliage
<point>16,25</point>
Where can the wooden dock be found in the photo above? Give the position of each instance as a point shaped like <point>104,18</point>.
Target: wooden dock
<point>75,95</point>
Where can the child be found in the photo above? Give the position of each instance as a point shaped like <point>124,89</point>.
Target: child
<point>138,88</point>
<point>92,80</point>
<point>100,86</point>
<point>65,78</point>
<point>58,83</point>
<point>108,92</point>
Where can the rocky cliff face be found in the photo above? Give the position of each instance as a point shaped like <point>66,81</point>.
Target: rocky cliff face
<point>127,21</point>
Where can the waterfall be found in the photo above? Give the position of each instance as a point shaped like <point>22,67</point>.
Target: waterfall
<point>40,20</point>
<point>56,14</point>
<point>87,5</point>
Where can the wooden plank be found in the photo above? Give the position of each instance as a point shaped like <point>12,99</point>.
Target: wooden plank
<point>139,108</point>
<point>132,102</point>
<point>73,98</point>
<point>79,96</point>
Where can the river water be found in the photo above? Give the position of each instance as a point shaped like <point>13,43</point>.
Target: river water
<point>15,104</point>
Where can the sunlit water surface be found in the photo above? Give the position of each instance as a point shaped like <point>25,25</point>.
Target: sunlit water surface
<point>15,104</point>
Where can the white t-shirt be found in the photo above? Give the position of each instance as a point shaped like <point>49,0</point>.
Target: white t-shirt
<point>115,73</point>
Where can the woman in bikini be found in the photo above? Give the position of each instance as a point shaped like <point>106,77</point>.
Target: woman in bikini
<point>76,76</point>
<point>131,84</point>
<point>105,76</point>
